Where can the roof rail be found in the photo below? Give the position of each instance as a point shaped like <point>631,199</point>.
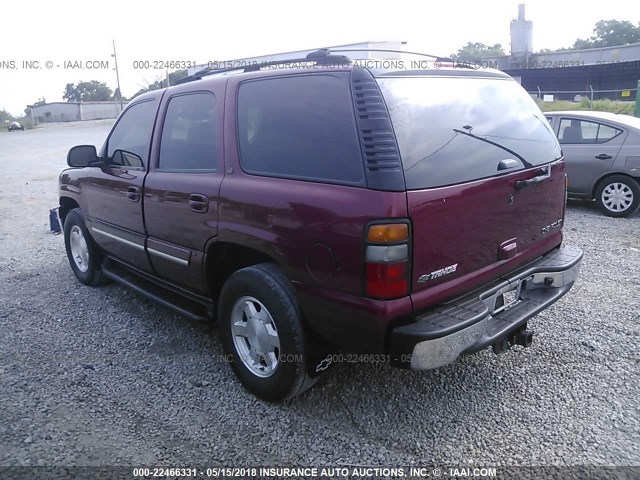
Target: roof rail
<point>387,50</point>
<point>322,56</point>
<point>458,63</point>
<point>319,57</point>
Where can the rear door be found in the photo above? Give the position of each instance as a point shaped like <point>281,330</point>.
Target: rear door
<point>590,149</point>
<point>181,190</point>
<point>484,180</point>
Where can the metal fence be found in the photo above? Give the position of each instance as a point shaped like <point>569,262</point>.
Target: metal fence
<point>620,95</point>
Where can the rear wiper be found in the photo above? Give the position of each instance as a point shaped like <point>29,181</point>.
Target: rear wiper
<point>495,144</point>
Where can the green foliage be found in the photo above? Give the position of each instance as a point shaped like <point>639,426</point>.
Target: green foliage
<point>92,91</point>
<point>5,117</point>
<point>603,105</point>
<point>475,52</point>
<point>609,33</point>
<point>117,95</point>
<point>161,83</point>
<point>606,33</point>
<point>25,122</point>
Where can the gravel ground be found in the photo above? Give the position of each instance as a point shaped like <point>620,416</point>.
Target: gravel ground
<point>105,377</point>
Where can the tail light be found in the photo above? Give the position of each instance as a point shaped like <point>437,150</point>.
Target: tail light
<point>387,260</point>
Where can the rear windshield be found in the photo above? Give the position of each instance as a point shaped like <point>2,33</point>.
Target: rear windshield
<point>458,129</point>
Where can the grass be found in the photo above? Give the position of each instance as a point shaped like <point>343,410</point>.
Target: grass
<point>604,105</point>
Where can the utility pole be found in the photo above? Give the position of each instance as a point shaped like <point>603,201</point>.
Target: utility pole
<point>117,74</point>
<point>168,79</point>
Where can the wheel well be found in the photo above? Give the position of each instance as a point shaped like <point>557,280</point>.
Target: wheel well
<point>600,180</point>
<point>66,205</point>
<point>223,259</point>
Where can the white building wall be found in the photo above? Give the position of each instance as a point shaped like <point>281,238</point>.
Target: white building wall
<point>74,112</point>
<point>100,110</point>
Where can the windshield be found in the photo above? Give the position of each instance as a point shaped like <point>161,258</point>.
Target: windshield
<point>458,129</point>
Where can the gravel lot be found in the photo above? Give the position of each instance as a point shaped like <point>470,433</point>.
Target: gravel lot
<point>105,377</point>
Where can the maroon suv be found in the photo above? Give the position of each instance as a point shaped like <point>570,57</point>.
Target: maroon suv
<point>410,215</point>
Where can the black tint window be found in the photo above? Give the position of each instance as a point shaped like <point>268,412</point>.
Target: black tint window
<point>126,159</point>
<point>573,130</point>
<point>133,131</point>
<point>189,133</point>
<point>299,127</point>
<point>458,129</point>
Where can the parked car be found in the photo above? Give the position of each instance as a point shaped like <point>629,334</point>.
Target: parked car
<point>15,126</point>
<point>602,154</point>
<point>328,212</point>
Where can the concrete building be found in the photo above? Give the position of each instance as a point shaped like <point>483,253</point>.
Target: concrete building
<point>74,111</point>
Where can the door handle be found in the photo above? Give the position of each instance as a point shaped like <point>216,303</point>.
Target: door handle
<point>199,203</point>
<point>133,194</point>
<point>604,156</point>
<point>545,173</point>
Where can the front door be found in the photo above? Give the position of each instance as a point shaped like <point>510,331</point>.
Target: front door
<point>181,190</point>
<point>114,191</point>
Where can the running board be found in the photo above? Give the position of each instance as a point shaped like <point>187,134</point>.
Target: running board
<point>178,303</point>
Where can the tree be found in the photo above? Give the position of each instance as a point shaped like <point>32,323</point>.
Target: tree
<point>162,83</point>
<point>610,33</point>
<point>475,52</point>
<point>92,91</point>
<point>5,117</point>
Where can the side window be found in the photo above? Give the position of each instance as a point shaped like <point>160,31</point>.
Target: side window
<point>299,127</point>
<point>606,133</point>
<point>126,159</point>
<point>132,133</point>
<point>189,133</point>
<point>584,132</point>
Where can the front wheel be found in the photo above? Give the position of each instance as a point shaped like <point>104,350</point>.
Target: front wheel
<point>262,333</point>
<point>618,196</point>
<point>84,256</point>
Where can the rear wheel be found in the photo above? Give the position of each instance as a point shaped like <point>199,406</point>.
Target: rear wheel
<point>84,255</point>
<point>262,333</point>
<point>618,196</point>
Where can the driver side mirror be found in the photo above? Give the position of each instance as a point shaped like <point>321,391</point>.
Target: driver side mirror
<point>82,156</point>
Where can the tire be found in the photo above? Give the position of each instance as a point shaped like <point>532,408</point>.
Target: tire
<point>83,254</point>
<point>618,196</point>
<point>262,333</point>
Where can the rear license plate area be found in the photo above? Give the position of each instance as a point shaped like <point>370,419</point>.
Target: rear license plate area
<point>505,298</point>
<point>509,299</point>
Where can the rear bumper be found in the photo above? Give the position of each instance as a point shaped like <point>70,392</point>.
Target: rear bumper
<point>477,321</point>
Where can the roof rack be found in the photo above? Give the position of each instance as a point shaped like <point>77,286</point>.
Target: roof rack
<point>319,57</point>
<point>323,56</point>
<point>387,50</point>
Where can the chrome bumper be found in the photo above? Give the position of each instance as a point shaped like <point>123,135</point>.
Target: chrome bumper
<point>478,321</point>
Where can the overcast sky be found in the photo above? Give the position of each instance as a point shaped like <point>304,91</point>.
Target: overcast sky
<point>59,31</point>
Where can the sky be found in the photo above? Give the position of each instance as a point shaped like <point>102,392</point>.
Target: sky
<point>67,32</point>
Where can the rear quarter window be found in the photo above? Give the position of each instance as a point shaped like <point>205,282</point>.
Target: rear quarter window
<point>452,129</point>
<point>300,127</point>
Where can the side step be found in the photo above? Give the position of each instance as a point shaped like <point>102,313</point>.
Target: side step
<point>178,303</point>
